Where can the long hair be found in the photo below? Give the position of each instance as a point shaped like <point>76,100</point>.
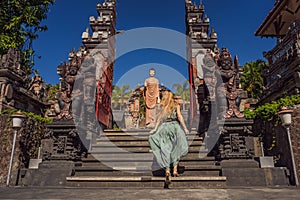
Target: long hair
<point>167,104</point>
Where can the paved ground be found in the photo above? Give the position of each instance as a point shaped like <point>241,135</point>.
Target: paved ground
<point>136,193</point>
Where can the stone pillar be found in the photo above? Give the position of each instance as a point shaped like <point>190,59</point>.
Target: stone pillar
<point>295,130</point>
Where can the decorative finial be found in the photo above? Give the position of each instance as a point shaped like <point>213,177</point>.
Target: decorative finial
<point>201,5</point>
<point>236,61</point>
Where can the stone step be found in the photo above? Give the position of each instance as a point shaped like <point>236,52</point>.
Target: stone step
<point>125,134</point>
<point>243,172</point>
<point>138,166</point>
<point>142,133</point>
<point>134,132</point>
<point>138,143</point>
<point>119,165</point>
<point>103,170</point>
<point>102,167</point>
<point>131,131</point>
<point>191,155</point>
<point>197,163</point>
<point>115,173</point>
<point>140,149</point>
<point>250,181</point>
<point>122,138</point>
<point>147,181</point>
<point>143,173</point>
<point>138,138</point>
<point>124,159</point>
<point>144,164</point>
<point>141,157</point>
<point>240,163</point>
<point>110,149</point>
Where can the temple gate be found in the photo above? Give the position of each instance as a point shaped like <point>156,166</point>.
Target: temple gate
<point>226,137</point>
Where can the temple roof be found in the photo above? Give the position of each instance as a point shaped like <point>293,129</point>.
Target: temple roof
<point>279,19</point>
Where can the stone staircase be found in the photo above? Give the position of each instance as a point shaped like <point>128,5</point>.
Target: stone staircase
<point>124,159</point>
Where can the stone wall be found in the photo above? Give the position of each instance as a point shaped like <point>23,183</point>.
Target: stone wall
<point>6,138</point>
<point>275,142</point>
<point>295,137</point>
<point>27,144</point>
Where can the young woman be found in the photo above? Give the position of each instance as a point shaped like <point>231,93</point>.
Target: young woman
<point>169,142</point>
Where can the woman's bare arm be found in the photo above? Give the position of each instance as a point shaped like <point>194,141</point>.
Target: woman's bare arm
<point>181,120</point>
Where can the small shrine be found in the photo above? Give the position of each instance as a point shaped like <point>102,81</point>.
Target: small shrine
<point>134,116</point>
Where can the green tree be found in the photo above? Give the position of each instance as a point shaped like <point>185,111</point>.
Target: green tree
<point>183,91</point>
<point>120,95</point>
<point>252,79</point>
<point>20,23</point>
<point>52,90</point>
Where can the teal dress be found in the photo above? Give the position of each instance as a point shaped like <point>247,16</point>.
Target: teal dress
<point>169,142</point>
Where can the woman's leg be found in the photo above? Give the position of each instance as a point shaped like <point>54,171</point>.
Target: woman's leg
<point>168,176</point>
<point>175,171</point>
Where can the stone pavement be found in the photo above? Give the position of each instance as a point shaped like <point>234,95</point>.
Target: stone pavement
<point>157,193</point>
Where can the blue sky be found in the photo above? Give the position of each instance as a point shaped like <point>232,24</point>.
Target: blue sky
<point>235,22</point>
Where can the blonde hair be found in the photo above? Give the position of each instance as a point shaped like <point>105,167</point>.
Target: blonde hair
<point>167,104</point>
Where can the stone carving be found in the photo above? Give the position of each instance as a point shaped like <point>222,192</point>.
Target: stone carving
<point>233,110</point>
<point>226,67</point>
<point>36,86</point>
<point>12,61</point>
<point>219,93</point>
<point>236,139</point>
<point>68,73</point>
<point>235,146</point>
<point>210,66</point>
<point>62,143</point>
<point>134,109</point>
<point>17,88</point>
<point>53,110</point>
<point>206,93</point>
<point>6,90</point>
<point>230,75</point>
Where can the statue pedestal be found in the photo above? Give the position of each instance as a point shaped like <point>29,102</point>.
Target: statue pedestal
<point>61,151</point>
<point>236,139</point>
<point>63,142</point>
<point>240,162</point>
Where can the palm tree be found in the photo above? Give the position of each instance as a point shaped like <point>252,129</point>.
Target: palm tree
<point>183,91</point>
<point>252,79</point>
<point>115,96</point>
<point>120,96</point>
